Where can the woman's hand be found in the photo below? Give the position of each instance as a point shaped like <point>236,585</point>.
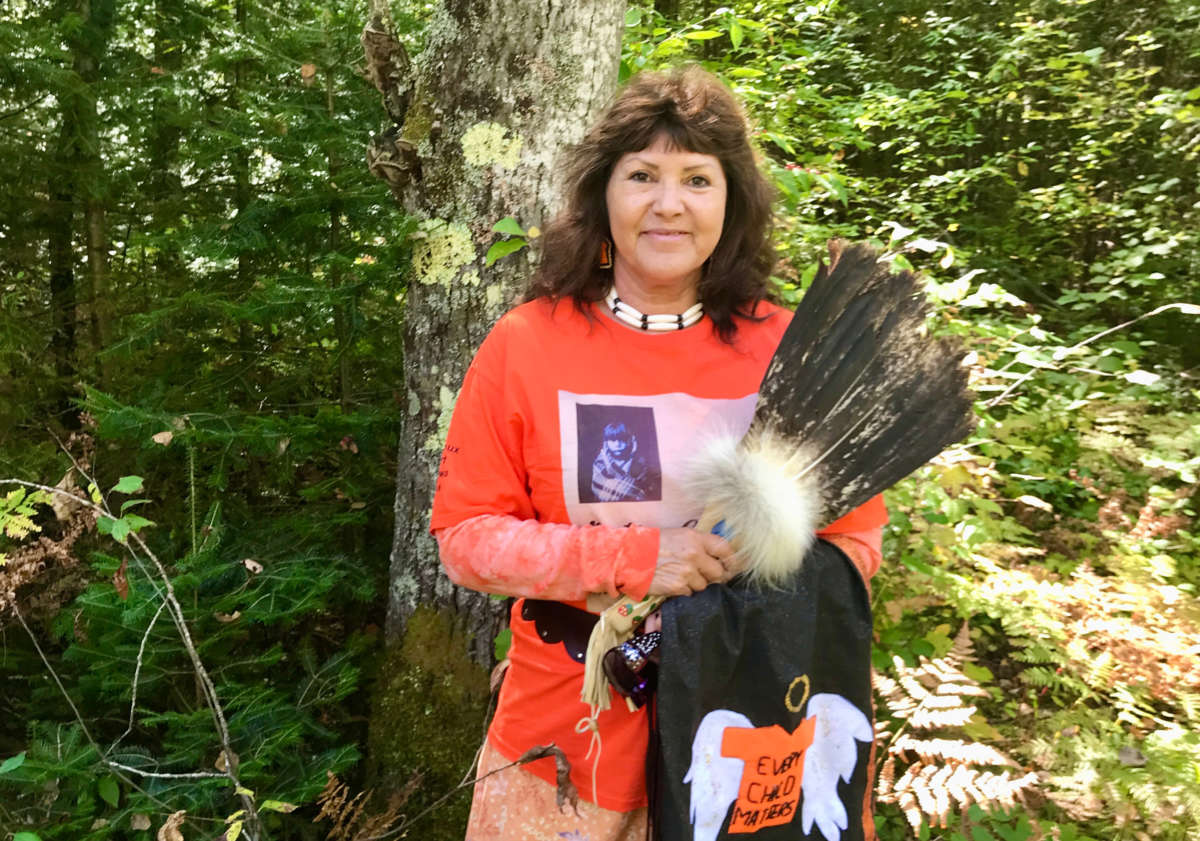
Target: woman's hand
<point>690,560</point>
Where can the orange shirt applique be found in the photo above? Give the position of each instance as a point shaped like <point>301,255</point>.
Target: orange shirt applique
<point>769,791</point>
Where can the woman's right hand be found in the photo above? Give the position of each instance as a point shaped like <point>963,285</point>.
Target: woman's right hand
<point>690,560</point>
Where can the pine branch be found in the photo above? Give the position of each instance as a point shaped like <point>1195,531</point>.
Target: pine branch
<point>175,609</point>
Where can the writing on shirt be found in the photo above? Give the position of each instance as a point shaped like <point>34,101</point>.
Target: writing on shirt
<point>769,791</point>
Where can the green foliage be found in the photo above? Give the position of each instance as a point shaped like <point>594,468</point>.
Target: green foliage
<point>17,510</point>
<point>240,359</point>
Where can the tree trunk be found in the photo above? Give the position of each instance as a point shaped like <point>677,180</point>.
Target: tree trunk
<point>343,304</point>
<point>479,123</point>
<point>78,185</point>
<point>165,189</point>
<point>60,248</point>
<point>241,185</point>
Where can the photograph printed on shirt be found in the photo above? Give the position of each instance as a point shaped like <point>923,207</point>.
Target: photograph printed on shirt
<point>617,454</point>
<point>624,457</point>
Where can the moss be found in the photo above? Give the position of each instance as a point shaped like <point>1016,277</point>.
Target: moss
<point>429,706</point>
<point>485,144</point>
<point>417,122</point>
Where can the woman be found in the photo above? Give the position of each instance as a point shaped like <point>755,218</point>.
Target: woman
<point>647,323</point>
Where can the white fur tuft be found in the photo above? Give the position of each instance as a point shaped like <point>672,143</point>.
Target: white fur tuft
<point>770,511</point>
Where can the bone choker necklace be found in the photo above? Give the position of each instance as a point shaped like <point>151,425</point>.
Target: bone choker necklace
<point>652,323</point>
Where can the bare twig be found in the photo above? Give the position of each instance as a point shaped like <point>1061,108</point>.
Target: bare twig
<point>137,670</point>
<point>79,718</point>
<point>33,638</point>
<point>534,753</point>
<point>194,775</point>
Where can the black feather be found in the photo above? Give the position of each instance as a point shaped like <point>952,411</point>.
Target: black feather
<point>858,381</point>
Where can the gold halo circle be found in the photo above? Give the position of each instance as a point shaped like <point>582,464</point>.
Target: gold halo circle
<point>787,696</point>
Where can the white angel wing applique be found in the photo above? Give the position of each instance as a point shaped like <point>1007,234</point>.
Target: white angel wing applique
<point>831,756</point>
<point>714,778</point>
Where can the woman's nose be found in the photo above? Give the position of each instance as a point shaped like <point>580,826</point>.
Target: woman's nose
<point>669,199</point>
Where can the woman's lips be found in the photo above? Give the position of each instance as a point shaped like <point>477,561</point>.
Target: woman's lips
<point>665,235</point>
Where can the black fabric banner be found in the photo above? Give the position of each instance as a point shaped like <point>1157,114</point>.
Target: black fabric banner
<point>764,708</point>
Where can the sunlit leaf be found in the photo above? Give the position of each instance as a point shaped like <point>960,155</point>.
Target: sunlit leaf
<point>503,248</point>
<point>128,484</point>
<point>279,806</point>
<point>510,226</point>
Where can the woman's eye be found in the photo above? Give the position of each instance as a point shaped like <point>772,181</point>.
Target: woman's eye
<point>639,175</point>
<point>698,181</point>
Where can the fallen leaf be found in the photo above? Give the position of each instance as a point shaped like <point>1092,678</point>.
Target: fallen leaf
<point>308,73</point>
<point>138,821</point>
<point>170,830</point>
<point>163,437</point>
<point>222,764</point>
<point>357,506</point>
<point>254,566</point>
<point>281,448</point>
<point>65,506</point>
<point>225,619</point>
<point>120,582</point>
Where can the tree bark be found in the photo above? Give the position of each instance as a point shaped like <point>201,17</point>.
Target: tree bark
<point>164,188</point>
<point>92,181</point>
<point>60,247</point>
<point>78,186</point>
<point>478,124</point>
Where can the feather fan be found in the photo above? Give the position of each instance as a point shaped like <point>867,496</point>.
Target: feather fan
<point>856,397</point>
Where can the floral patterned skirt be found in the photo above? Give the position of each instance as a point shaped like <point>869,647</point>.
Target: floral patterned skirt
<point>514,805</point>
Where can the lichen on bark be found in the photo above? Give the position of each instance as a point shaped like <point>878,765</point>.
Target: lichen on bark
<point>486,144</point>
<point>442,250</point>
<point>445,408</point>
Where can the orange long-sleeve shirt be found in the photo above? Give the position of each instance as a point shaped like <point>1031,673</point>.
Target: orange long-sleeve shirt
<point>564,457</point>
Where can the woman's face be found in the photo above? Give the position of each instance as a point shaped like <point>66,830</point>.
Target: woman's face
<point>666,208</point>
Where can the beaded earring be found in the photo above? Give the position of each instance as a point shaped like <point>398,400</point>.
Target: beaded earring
<point>606,254</point>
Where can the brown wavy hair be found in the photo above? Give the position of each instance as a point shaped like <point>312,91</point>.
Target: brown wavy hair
<point>696,113</point>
